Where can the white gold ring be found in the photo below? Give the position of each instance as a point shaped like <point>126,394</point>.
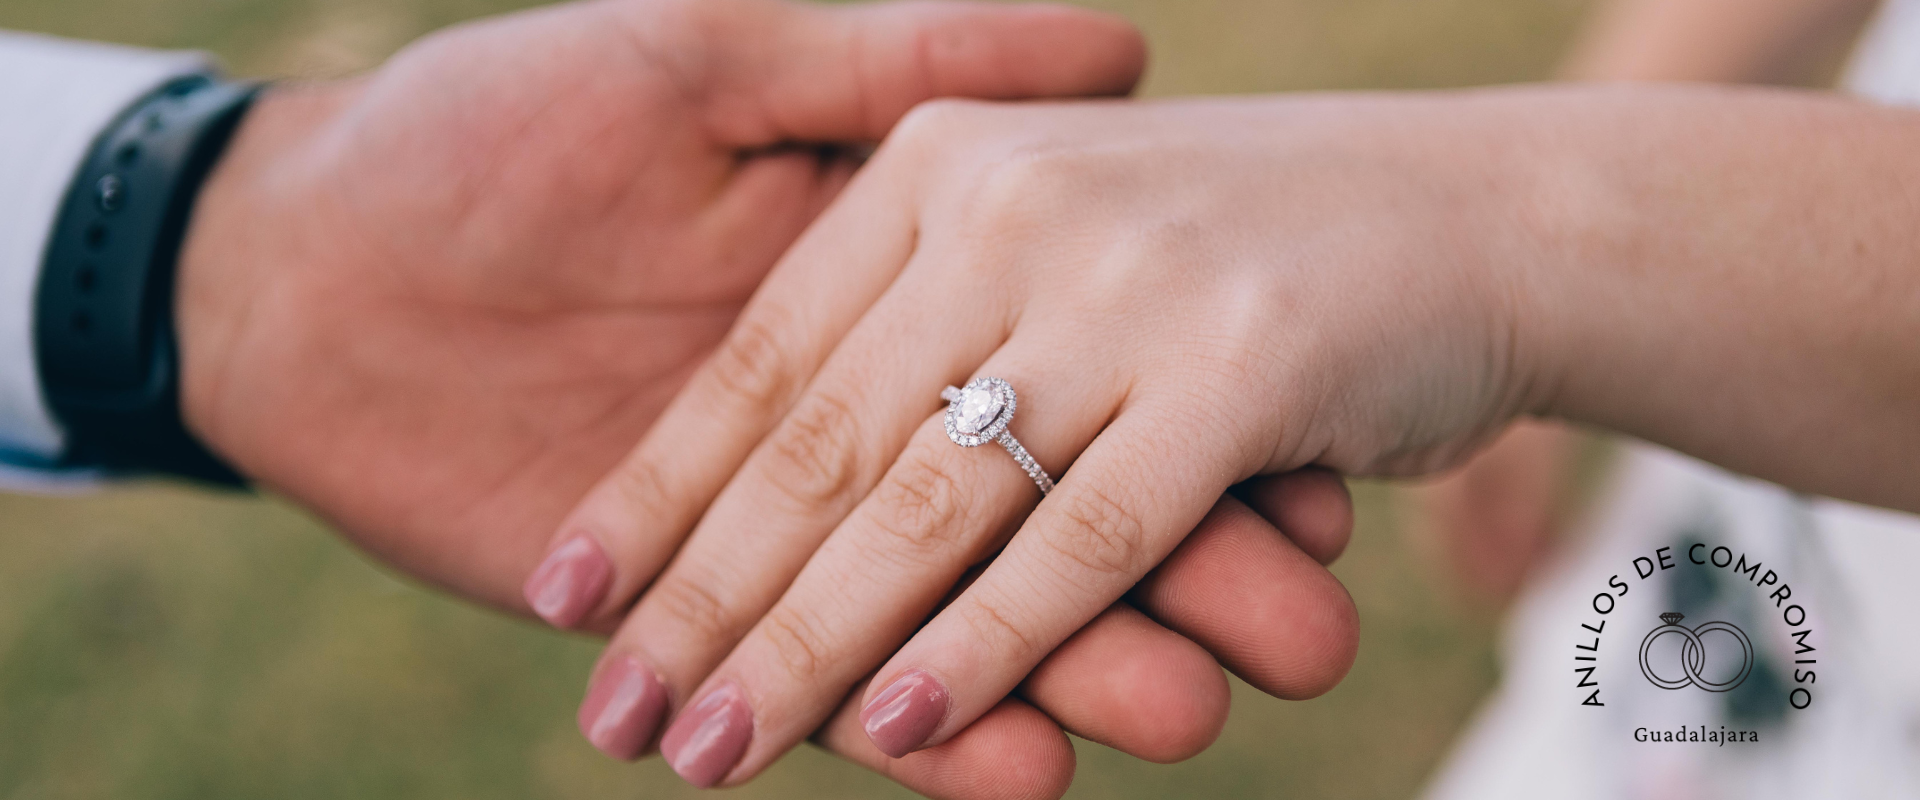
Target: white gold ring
<point>980,413</point>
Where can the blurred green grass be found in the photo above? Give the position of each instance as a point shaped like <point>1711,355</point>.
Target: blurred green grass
<point>160,643</point>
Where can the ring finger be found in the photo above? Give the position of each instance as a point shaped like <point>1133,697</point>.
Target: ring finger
<point>792,491</point>
<point>940,509</point>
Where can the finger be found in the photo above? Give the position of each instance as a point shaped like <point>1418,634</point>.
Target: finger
<point>1268,611</point>
<point>1128,683</point>
<point>803,479</point>
<point>1492,519</point>
<point>800,484</point>
<point>1122,681</point>
<point>1014,751</point>
<point>619,536</point>
<point>939,509</point>
<point>768,201</point>
<point>617,539</point>
<point>1234,590</point>
<point>1147,481</point>
<point>1234,587</point>
<point>1310,506</point>
<point>809,72</point>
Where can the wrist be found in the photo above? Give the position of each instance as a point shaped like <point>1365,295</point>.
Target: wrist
<point>1519,212</point>
<point>1566,213</point>
<point>242,233</point>
<point>104,340</point>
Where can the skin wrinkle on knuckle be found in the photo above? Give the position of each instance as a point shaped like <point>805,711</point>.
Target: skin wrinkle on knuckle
<point>796,641</point>
<point>995,626</point>
<point>1095,532</point>
<point>692,604</point>
<point>642,488</point>
<point>752,365</point>
<point>814,457</point>
<point>916,507</point>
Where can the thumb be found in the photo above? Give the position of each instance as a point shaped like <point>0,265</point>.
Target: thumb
<point>791,72</point>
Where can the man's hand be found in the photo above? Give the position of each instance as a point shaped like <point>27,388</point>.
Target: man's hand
<point>435,303</point>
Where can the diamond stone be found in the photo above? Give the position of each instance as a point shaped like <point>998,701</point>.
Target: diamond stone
<point>977,409</point>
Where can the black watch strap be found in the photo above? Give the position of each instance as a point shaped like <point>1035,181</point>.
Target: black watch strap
<point>103,311</point>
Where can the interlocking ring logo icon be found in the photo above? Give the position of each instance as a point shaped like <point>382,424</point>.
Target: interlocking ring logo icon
<point>1693,654</point>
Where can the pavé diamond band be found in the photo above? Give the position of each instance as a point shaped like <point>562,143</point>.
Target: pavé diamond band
<point>980,413</point>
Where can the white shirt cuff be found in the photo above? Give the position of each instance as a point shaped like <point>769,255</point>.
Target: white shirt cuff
<point>59,95</point>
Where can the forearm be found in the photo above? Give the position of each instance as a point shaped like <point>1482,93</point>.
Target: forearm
<point>1733,273</point>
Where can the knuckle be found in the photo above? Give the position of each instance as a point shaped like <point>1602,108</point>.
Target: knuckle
<point>814,457</point>
<point>926,128</point>
<point>1016,199</point>
<point>1093,530</point>
<point>1036,177</point>
<point>642,485</point>
<point>1141,255</point>
<point>993,624</point>
<point>691,603</point>
<point>753,365</point>
<point>1211,358</point>
<point>918,505</point>
<point>796,641</point>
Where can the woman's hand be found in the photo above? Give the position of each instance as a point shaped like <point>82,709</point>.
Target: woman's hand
<point>1188,294</point>
<point>1184,295</point>
<point>1139,683</point>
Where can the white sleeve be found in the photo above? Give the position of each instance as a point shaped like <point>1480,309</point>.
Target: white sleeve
<point>56,97</point>
<point>1886,63</point>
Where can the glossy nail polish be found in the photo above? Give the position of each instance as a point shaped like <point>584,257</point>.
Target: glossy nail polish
<point>570,583</point>
<point>709,738</point>
<point>901,717</point>
<point>624,706</point>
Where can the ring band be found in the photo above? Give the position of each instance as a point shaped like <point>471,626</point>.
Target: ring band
<point>980,413</point>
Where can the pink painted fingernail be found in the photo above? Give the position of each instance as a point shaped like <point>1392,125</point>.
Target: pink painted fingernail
<point>903,716</point>
<point>710,737</point>
<point>624,706</point>
<point>570,583</point>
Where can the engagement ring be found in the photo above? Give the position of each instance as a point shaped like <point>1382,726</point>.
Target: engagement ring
<point>980,413</point>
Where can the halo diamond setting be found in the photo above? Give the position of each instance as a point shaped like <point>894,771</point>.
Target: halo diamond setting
<point>980,412</point>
